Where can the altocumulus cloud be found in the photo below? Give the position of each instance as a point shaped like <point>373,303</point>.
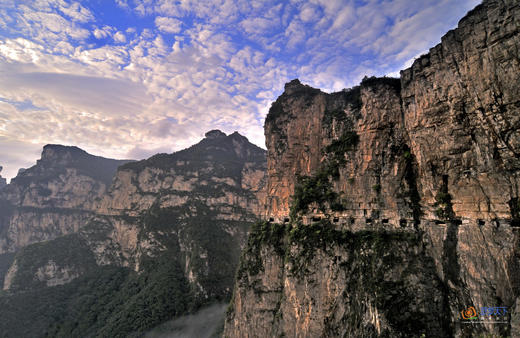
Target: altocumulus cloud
<point>129,78</point>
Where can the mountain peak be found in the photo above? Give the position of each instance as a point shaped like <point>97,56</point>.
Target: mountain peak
<point>215,133</point>
<point>236,135</point>
<point>295,86</point>
<point>57,151</point>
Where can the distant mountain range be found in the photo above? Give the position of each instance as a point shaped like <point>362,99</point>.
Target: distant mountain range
<point>119,246</point>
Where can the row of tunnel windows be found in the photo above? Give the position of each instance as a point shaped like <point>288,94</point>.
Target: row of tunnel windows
<point>403,222</point>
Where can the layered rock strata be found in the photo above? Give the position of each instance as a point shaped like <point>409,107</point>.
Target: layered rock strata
<point>54,197</point>
<point>397,187</point>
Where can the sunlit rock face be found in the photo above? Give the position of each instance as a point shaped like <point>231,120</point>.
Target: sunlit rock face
<point>53,198</point>
<point>195,205</point>
<point>416,181</point>
<point>220,182</point>
<point>170,228</point>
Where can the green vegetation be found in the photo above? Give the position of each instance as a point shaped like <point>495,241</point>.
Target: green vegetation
<point>187,240</point>
<point>443,202</point>
<point>69,251</point>
<point>117,302</point>
<point>411,181</point>
<point>261,233</point>
<point>6,260</point>
<point>394,83</point>
<point>107,302</point>
<point>381,268</point>
<point>318,187</point>
<point>347,141</point>
<point>353,97</point>
<point>308,239</point>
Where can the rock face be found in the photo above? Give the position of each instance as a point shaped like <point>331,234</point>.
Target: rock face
<point>53,198</point>
<point>396,188</point>
<point>3,181</point>
<point>216,186</point>
<point>169,228</point>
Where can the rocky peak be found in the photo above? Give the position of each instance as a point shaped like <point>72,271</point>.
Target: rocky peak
<point>57,159</point>
<point>295,86</point>
<point>58,153</point>
<point>212,134</point>
<point>54,197</point>
<point>237,136</point>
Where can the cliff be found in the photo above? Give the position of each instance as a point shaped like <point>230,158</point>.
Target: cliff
<point>163,240</point>
<point>394,188</point>
<point>3,181</point>
<point>54,197</point>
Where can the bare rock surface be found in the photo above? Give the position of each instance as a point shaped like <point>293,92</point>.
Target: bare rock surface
<point>397,201</point>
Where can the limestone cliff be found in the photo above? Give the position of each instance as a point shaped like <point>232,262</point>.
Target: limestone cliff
<point>214,188</point>
<point>54,197</point>
<point>169,229</point>
<point>394,188</point>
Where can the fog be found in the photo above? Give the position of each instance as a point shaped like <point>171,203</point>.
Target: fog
<point>205,323</point>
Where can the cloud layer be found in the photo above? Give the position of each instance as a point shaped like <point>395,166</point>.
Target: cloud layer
<point>128,78</point>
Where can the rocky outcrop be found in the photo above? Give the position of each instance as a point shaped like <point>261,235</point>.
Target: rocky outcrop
<point>407,186</point>
<point>49,263</point>
<point>3,181</point>
<point>53,198</point>
<point>374,176</point>
<point>216,186</point>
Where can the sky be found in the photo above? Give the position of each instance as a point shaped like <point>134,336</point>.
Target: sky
<point>131,78</point>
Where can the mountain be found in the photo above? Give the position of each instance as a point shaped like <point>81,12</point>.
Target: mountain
<point>54,197</point>
<point>393,207</point>
<point>163,240</point>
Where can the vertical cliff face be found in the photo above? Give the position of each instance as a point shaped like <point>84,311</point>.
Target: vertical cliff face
<point>216,187</point>
<point>360,132</point>
<point>461,105</point>
<point>53,198</point>
<point>169,228</point>
<point>402,184</point>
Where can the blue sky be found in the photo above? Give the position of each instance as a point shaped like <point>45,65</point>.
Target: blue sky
<point>130,78</point>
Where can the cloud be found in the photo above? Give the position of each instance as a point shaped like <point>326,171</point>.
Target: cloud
<point>119,37</point>
<point>104,32</point>
<point>130,78</point>
<point>168,25</point>
<point>77,12</point>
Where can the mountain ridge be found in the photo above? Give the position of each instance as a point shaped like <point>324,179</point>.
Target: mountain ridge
<point>170,227</point>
